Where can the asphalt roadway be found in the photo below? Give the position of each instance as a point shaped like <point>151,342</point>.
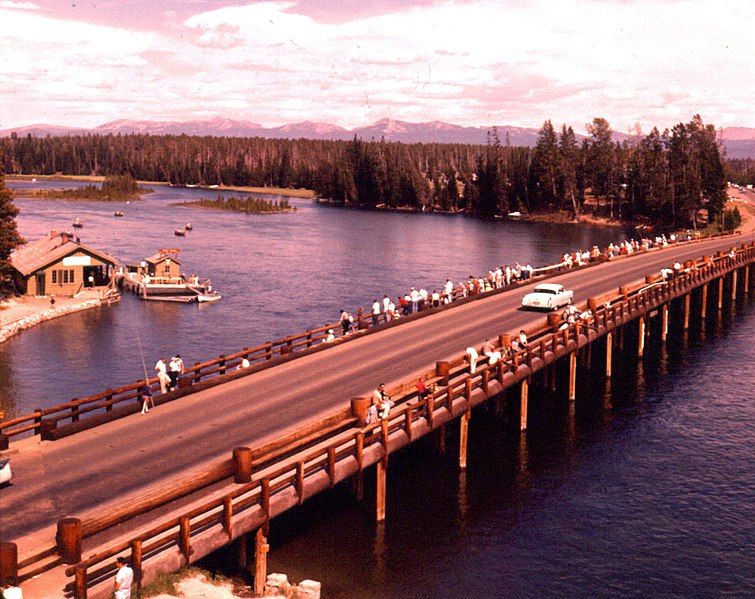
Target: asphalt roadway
<point>95,468</point>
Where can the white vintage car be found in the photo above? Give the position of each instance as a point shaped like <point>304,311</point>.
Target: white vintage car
<point>5,472</point>
<point>548,296</point>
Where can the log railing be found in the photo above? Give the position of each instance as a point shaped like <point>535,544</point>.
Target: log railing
<point>454,393</point>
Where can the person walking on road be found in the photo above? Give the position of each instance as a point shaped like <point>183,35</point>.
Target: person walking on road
<point>124,578</point>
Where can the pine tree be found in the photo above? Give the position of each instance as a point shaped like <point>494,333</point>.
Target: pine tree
<point>9,237</point>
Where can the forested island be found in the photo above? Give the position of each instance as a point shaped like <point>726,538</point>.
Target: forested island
<point>672,179</point>
<point>115,188</point>
<point>248,205</point>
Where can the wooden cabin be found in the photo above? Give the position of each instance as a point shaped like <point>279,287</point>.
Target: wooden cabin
<point>163,267</point>
<point>60,264</point>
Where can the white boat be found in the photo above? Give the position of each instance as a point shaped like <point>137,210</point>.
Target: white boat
<point>213,296</point>
<point>514,215</point>
<point>77,223</point>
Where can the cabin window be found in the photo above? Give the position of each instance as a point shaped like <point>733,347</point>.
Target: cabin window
<point>54,276</point>
<point>167,269</point>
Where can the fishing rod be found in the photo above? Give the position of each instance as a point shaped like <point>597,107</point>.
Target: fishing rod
<point>144,364</point>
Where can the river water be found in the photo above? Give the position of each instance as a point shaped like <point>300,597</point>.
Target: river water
<point>278,274</point>
<point>644,488</point>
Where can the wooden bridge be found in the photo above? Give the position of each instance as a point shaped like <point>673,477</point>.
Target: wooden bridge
<point>217,466</point>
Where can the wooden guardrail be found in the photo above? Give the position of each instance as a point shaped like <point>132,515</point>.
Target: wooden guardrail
<point>456,390</point>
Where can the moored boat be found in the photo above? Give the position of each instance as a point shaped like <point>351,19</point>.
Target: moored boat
<point>188,226</point>
<point>180,232</point>
<point>118,213</point>
<point>78,223</point>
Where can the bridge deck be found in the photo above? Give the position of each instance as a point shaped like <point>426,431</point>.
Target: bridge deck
<point>132,456</point>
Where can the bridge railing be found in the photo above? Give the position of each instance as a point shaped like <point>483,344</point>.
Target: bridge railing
<point>445,391</point>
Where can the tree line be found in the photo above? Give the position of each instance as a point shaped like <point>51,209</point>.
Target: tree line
<point>666,178</point>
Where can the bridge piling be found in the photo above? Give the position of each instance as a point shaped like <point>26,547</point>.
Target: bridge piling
<point>687,298</point>
<point>463,434</point>
<point>523,399</point>
<point>8,561</point>
<point>664,322</point>
<point>609,352</point>
<point>572,376</point>
<point>746,278</point>
<point>720,293</point>
<point>261,549</point>
<point>704,305</point>
<point>641,337</point>
<point>734,285</point>
<point>380,499</point>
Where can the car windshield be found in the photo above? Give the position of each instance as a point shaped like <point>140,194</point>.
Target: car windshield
<point>545,290</point>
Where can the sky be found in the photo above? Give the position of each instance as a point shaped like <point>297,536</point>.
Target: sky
<point>472,62</point>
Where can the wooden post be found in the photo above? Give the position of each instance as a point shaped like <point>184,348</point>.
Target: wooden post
<point>747,279</point>
<point>260,561</point>
<point>441,440</point>
<point>242,465</point>
<point>228,516</point>
<point>381,474</point>
<point>734,285</point>
<point>641,339</point>
<point>609,351</point>
<point>184,538</point>
<point>463,433</point>
<point>68,539</point>
<point>572,376</point>
<point>720,292</point>
<point>704,306</point>
<point>359,407</point>
<point>441,370</point>
<point>9,559</point>
<point>686,310</point>
<point>664,322</point>
<point>136,563</point>
<point>242,553</point>
<point>80,583</point>
<point>524,396</point>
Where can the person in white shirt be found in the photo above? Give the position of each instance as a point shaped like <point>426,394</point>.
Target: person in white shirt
<point>414,295</point>
<point>175,368</point>
<point>124,578</point>
<point>12,591</point>
<point>162,374</point>
<point>329,337</point>
<point>472,357</point>
<point>435,298</point>
<point>522,339</point>
<point>375,313</point>
<point>449,291</point>
<point>386,305</point>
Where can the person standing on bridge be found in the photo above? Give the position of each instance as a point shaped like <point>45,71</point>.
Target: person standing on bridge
<point>124,578</point>
<point>382,401</point>
<point>345,320</point>
<point>162,374</point>
<point>175,368</point>
<point>472,357</point>
<point>375,313</point>
<point>12,591</point>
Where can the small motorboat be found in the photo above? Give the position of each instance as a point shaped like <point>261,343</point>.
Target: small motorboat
<point>118,213</point>
<point>514,215</point>
<point>211,296</point>
<point>188,226</point>
<point>180,232</point>
<point>77,223</point>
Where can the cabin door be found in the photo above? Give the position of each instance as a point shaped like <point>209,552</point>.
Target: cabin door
<point>40,283</point>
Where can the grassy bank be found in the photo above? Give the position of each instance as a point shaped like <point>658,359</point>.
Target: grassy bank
<point>281,191</point>
<point>247,205</point>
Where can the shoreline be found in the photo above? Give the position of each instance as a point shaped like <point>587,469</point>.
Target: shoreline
<point>198,206</point>
<point>21,313</point>
<point>306,194</point>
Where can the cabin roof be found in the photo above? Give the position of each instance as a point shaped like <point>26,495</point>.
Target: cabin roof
<point>158,258</point>
<point>41,253</point>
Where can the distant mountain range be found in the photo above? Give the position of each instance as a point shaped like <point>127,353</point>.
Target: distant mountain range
<point>739,141</point>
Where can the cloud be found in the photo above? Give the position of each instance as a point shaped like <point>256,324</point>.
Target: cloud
<point>474,63</point>
<point>9,4</point>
